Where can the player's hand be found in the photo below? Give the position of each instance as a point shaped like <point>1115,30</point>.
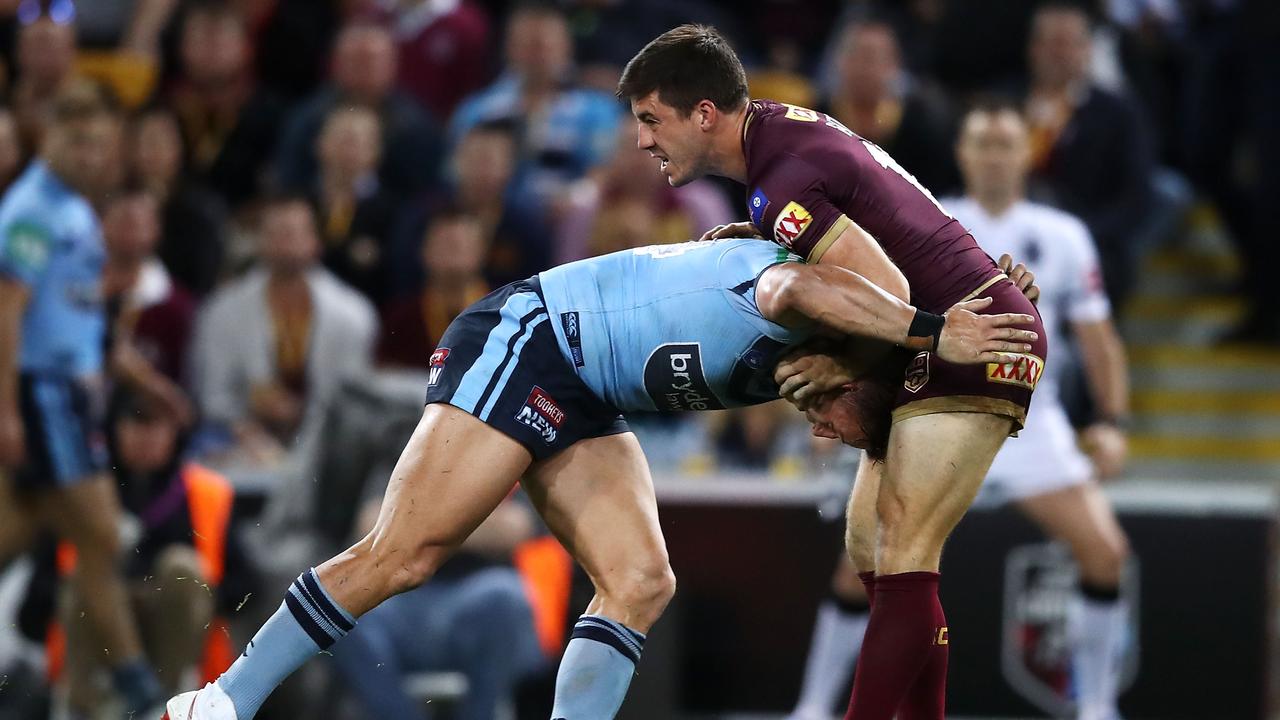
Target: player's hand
<point>1021,276</point>
<point>1108,447</point>
<point>731,230</point>
<point>12,438</point>
<point>969,338</point>
<point>805,375</point>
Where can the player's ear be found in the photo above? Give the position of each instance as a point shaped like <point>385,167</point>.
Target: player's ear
<point>706,114</point>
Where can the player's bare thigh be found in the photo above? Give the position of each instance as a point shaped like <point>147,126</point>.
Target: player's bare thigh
<point>933,470</point>
<point>597,497</point>
<point>452,473</point>
<point>861,523</point>
<point>1082,517</point>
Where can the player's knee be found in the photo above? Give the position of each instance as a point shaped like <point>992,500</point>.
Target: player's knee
<point>406,571</point>
<point>860,545</point>
<point>1103,563</point>
<point>646,591</point>
<point>178,561</point>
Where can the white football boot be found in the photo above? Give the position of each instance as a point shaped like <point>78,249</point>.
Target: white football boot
<point>208,703</point>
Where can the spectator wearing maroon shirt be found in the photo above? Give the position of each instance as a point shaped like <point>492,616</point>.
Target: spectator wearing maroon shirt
<point>193,219</point>
<point>230,124</point>
<point>1090,153</point>
<point>876,98</point>
<point>453,251</point>
<point>363,73</point>
<point>444,50</point>
<point>356,212</point>
<point>152,317</point>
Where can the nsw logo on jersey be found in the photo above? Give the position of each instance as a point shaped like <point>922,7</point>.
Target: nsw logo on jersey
<point>541,413</point>
<point>791,224</point>
<point>1020,369</point>
<point>675,380</point>
<point>436,366</point>
<point>756,205</point>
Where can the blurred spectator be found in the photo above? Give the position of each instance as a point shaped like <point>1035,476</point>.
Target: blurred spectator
<point>564,130</point>
<point>193,218</point>
<point>453,251</point>
<point>185,567</point>
<point>151,317</point>
<point>516,238</point>
<point>272,347</point>
<point>230,125</point>
<point>1089,147</point>
<point>761,438</point>
<point>444,50</point>
<point>46,56</point>
<point>875,98</point>
<point>356,212</point>
<point>781,78</point>
<point>626,204</point>
<point>291,40</point>
<point>364,73</point>
<point>473,617</point>
<point>11,159</point>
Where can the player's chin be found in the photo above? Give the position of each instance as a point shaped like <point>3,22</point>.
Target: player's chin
<point>676,178</point>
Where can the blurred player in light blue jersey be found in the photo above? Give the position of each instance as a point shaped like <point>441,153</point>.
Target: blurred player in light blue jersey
<point>529,384</point>
<point>52,336</point>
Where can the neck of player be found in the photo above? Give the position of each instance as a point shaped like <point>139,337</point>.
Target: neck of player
<point>728,147</point>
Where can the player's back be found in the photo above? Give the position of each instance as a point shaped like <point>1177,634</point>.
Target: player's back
<point>51,242</point>
<point>809,176</point>
<point>670,327</point>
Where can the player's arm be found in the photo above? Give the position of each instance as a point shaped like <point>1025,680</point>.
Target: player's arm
<point>795,294</point>
<point>1106,370</point>
<point>14,296</point>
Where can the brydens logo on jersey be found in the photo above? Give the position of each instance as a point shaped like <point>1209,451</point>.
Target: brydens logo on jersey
<point>541,413</point>
<point>791,224</point>
<point>674,378</point>
<point>436,365</point>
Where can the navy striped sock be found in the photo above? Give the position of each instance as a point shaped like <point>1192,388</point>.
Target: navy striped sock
<point>596,669</point>
<point>307,622</point>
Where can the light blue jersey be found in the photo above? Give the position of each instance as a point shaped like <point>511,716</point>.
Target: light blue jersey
<point>51,242</point>
<point>670,327</point>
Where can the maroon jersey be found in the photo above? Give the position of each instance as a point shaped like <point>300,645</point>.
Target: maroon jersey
<point>809,178</point>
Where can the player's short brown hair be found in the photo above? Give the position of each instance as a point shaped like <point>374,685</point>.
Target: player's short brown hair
<point>687,65</point>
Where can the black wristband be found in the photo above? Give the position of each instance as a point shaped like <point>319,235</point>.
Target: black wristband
<point>1119,422</point>
<point>926,325</point>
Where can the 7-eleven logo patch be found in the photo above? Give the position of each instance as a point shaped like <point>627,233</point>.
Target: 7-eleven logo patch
<point>791,223</point>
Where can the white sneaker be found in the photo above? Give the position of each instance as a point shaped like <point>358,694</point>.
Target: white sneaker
<point>208,703</point>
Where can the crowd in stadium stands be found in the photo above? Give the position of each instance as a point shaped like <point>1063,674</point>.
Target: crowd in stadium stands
<point>303,193</point>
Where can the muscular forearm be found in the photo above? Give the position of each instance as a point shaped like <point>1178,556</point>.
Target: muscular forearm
<point>1106,367</point>
<point>852,305</point>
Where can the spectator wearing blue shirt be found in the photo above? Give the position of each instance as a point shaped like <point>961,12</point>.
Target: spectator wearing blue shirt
<point>563,129</point>
<point>52,337</point>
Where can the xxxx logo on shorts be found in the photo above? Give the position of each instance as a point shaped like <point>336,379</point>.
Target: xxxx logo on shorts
<point>917,373</point>
<point>791,224</point>
<point>1023,370</point>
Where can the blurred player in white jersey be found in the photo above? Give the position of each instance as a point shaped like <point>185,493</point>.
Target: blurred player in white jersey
<point>1052,481</point>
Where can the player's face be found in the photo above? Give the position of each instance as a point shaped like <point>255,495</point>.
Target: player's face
<point>994,153</point>
<point>830,418</point>
<point>86,153</point>
<point>674,139</point>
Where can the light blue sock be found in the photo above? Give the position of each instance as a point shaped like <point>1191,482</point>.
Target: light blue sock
<point>596,669</point>
<point>307,622</point>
